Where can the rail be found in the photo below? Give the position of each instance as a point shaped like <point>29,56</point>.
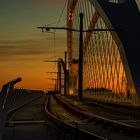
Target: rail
<point>116,126</point>
<point>68,126</point>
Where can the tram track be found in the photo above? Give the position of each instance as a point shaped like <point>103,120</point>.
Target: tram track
<point>122,113</point>
<point>51,117</point>
<point>25,118</point>
<point>30,122</point>
<point>132,112</point>
<point>22,114</point>
<point>59,116</point>
<point>111,111</point>
<point>107,128</point>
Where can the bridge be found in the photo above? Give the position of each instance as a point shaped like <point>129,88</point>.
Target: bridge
<point>101,68</point>
<point>104,42</point>
<point>110,58</point>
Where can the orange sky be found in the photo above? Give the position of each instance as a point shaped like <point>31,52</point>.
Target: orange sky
<point>23,48</point>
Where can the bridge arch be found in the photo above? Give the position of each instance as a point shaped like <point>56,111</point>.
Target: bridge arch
<point>111,66</point>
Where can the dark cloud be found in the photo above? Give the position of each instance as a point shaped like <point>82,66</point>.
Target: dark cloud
<point>25,50</point>
<point>6,42</point>
<point>18,49</point>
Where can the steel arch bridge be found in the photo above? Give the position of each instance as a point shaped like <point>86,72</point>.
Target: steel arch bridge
<point>111,67</point>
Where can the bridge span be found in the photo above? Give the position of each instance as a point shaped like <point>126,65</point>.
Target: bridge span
<point>35,115</point>
<point>110,49</point>
<point>102,51</point>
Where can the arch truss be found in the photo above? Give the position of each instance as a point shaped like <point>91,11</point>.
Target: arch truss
<point>111,71</point>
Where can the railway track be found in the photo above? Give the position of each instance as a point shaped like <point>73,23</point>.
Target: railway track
<point>16,119</point>
<point>30,122</point>
<point>57,114</point>
<point>132,112</point>
<point>51,117</point>
<point>121,113</point>
<point>94,124</point>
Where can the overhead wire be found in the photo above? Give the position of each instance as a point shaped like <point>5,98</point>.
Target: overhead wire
<point>61,13</point>
<point>54,22</point>
<point>54,31</point>
<point>58,22</point>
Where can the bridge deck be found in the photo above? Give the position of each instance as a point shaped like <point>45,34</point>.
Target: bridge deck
<point>28,123</point>
<point>120,113</point>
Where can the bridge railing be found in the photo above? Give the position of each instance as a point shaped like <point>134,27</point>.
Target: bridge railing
<point>5,99</point>
<point>6,93</point>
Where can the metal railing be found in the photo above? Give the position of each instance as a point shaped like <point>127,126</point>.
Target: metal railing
<point>6,98</point>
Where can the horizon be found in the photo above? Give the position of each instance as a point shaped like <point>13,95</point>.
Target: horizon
<point>23,47</point>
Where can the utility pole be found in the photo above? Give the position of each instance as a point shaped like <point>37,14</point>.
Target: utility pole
<point>65,76</point>
<point>80,73</point>
<point>80,82</point>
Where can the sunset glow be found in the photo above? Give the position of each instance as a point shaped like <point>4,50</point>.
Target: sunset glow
<point>23,47</point>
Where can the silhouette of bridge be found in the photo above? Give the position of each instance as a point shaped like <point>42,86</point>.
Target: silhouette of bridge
<point>110,63</point>
<point>101,64</point>
<point>102,50</point>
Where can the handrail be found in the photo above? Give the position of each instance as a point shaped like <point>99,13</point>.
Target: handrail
<point>5,96</point>
<point>7,89</point>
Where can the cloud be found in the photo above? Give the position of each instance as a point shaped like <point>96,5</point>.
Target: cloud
<point>16,42</point>
<point>24,50</point>
<point>22,47</point>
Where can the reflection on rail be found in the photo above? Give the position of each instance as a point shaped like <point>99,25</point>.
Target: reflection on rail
<point>86,123</point>
<point>70,126</point>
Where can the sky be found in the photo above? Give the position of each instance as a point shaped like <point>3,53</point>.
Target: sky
<point>23,47</point>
